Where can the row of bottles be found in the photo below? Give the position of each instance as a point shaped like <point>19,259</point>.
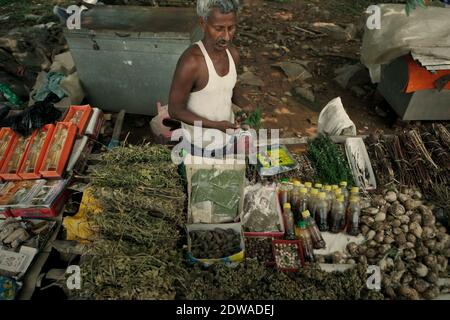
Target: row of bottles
<point>333,208</point>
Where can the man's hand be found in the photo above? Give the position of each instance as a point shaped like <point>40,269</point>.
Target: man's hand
<point>224,125</point>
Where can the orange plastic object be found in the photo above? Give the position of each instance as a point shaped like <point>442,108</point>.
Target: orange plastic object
<point>79,115</point>
<point>35,152</point>
<point>58,151</point>
<point>7,139</point>
<point>419,78</point>
<point>14,159</point>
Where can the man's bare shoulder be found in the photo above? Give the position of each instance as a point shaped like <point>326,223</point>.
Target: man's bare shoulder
<point>191,58</point>
<point>235,54</point>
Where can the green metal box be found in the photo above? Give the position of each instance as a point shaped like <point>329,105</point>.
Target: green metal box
<point>126,56</point>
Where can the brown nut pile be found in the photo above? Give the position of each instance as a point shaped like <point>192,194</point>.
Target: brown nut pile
<point>258,248</point>
<point>215,244</point>
<point>405,241</point>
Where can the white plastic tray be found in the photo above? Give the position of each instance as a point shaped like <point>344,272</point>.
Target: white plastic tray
<point>357,156</point>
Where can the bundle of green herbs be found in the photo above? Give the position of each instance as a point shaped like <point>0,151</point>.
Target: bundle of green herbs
<point>329,162</point>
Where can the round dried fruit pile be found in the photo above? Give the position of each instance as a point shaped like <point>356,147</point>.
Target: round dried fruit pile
<point>406,242</point>
<point>215,244</point>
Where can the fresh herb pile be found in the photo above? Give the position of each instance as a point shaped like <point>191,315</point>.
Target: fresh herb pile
<point>329,162</point>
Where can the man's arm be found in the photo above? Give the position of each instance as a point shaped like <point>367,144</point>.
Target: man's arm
<point>238,98</point>
<point>183,81</point>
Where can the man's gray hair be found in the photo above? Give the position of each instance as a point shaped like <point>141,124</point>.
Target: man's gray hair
<point>204,7</point>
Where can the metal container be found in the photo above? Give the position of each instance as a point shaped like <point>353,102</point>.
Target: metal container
<point>420,105</point>
<point>126,56</point>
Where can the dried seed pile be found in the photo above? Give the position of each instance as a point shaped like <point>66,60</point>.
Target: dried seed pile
<point>135,255</point>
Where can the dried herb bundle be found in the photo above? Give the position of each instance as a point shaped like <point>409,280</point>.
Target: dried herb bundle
<point>121,270</point>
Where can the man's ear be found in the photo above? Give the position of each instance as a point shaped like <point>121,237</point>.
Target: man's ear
<point>202,22</point>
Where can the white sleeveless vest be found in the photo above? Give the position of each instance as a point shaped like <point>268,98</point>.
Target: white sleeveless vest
<point>213,101</point>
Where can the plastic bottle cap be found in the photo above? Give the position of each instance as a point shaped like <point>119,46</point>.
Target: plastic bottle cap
<point>318,185</point>
<point>303,190</point>
<point>286,206</point>
<point>322,195</point>
<point>334,187</point>
<point>302,224</point>
<point>355,190</point>
<point>285,180</point>
<point>308,184</point>
<point>306,214</point>
<point>353,199</point>
<point>314,191</point>
<point>340,198</point>
<point>297,183</point>
<point>338,191</point>
<point>343,183</point>
<point>327,188</point>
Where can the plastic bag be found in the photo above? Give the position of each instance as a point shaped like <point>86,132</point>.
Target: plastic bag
<point>334,121</point>
<point>10,95</point>
<point>260,209</point>
<point>161,132</point>
<point>222,188</point>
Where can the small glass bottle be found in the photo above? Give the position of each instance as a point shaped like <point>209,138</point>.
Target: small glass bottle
<point>295,198</point>
<point>344,190</point>
<point>321,214</point>
<point>354,192</point>
<point>353,213</point>
<point>289,221</point>
<point>305,238</point>
<point>316,236</point>
<point>304,198</point>
<point>337,215</point>
<point>308,186</point>
<point>283,192</point>
<point>312,201</point>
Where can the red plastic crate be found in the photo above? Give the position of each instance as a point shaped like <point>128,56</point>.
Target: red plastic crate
<point>14,159</point>
<point>58,151</point>
<point>295,243</point>
<point>79,115</point>
<point>7,138</point>
<point>35,152</point>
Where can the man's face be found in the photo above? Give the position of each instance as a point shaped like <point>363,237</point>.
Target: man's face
<point>219,29</point>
